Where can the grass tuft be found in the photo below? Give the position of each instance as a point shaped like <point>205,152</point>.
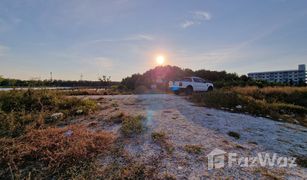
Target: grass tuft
<point>132,126</point>
<point>193,149</point>
<point>234,134</point>
<point>161,139</point>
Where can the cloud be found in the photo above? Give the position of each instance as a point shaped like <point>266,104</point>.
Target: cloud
<point>201,15</point>
<point>132,38</point>
<point>187,24</point>
<point>139,37</point>
<point>196,17</point>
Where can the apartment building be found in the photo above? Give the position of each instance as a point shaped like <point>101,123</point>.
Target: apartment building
<point>297,76</point>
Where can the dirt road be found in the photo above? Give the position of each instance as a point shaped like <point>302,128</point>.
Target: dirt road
<point>187,124</point>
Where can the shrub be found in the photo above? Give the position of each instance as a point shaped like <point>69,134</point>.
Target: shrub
<point>72,105</point>
<point>132,125</point>
<point>14,124</point>
<point>193,149</point>
<point>284,108</point>
<point>158,136</point>
<point>234,134</point>
<point>55,152</point>
<point>218,99</point>
<point>141,89</point>
<point>292,95</point>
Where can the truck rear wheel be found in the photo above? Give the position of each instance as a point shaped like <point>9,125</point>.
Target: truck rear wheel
<point>210,88</point>
<point>189,90</point>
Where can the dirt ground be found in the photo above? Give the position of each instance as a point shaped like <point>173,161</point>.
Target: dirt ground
<point>186,124</point>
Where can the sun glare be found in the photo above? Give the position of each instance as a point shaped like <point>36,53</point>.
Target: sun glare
<point>160,60</point>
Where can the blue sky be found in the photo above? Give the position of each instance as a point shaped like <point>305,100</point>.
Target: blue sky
<point>121,37</point>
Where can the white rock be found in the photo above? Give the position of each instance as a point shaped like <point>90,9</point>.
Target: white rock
<point>239,107</point>
<point>80,111</point>
<point>57,116</point>
<point>68,133</point>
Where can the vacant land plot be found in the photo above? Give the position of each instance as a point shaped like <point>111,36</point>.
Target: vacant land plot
<point>177,135</point>
<point>145,137</point>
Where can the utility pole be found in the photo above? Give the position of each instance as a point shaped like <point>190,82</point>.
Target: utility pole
<point>51,76</point>
<point>81,77</point>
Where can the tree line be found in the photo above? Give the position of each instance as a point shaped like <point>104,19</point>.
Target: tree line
<point>104,81</point>
<point>161,75</point>
<point>158,76</point>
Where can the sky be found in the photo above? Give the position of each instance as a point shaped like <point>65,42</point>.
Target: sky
<point>120,37</point>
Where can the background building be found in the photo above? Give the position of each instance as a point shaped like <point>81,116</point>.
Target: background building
<point>287,76</point>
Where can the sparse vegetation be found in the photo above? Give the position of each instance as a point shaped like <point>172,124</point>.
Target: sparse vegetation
<point>130,169</point>
<point>161,139</point>
<point>271,173</point>
<point>53,152</point>
<point>279,103</point>
<point>33,147</point>
<point>193,149</point>
<point>20,110</point>
<point>132,125</point>
<point>111,90</point>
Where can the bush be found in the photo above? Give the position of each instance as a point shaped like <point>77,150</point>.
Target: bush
<point>218,99</point>
<point>70,106</point>
<point>28,101</point>
<point>141,90</point>
<point>291,95</point>
<point>52,152</point>
<point>158,136</point>
<point>14,124</point>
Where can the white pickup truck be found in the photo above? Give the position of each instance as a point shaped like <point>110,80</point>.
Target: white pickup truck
<point>189,85</point>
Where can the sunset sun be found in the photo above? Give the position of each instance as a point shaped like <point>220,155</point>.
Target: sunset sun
<point>160,60</point>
